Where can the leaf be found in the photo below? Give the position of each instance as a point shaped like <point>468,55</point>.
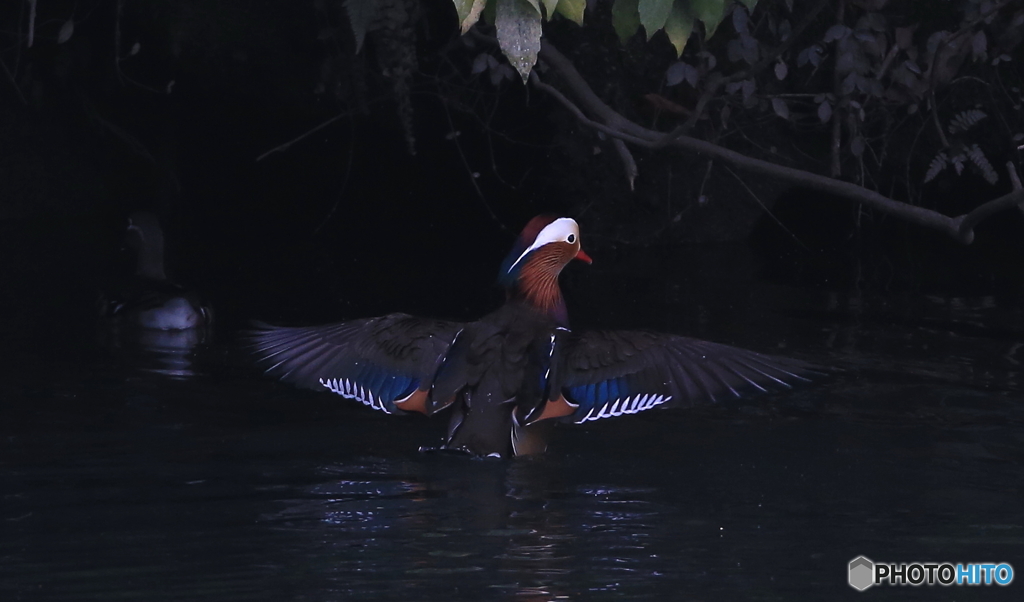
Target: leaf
<point>781,70</point>
<point>748,88</point>
<point>572,10</point>
<point>710,12</point>
<point>479,63</point>
<point>781,108</point>
<point>977,157</point>
<point>678,27</point>
<point>625,19</point>
<point>519,30</point>
<point>549,8</point>
<point>836,32</point>
<point>740,20</point>
<point>653,14</point>
<point>857,146</point>
<point>66,30</point>
<point>979,44</point>
<point>750,4</point>
<point>965,120</point>
<point>824,111</point>
<point>938,164</point>
<point>958,163</point>
<point>680,72</point>
<point>469,12</point>
<point>360,16</point>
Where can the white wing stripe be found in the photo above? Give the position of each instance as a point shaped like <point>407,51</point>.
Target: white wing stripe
<point>629,405</point>
<point>350,390</point>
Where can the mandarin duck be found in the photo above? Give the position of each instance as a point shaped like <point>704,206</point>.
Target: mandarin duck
<point>150,300</point>
<point>518,366</point>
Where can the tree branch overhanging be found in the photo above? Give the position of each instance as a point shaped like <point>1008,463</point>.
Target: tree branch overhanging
<point>591,111</point>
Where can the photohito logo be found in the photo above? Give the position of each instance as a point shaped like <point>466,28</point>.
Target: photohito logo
<point>863,573</point>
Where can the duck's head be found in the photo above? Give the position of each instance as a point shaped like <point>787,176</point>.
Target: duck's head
<point>545,246</point>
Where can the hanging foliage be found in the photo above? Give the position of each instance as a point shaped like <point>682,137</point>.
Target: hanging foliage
<point>518,22</point>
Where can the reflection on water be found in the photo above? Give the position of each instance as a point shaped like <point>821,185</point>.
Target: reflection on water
<point>118,482</point>
<point>166,352</point>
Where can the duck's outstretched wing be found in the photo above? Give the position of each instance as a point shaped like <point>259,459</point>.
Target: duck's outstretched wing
<point>604,374</point>
<point>387,363</point>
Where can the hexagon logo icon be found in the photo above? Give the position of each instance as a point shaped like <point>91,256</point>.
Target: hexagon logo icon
<point>861,572</point>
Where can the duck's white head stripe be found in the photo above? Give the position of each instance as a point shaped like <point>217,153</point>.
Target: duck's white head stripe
<point>557,231</point>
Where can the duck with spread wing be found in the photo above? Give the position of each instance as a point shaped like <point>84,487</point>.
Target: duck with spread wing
<point>520,365</point>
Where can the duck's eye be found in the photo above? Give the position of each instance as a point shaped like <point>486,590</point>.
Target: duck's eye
<point>571,239</point>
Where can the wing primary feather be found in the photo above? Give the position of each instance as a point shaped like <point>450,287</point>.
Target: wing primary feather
<point>762,372</point>
<point>778,368</point>
<point>748,380</point>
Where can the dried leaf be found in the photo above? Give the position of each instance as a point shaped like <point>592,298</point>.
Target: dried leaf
<point>66,30</point>
<point>780,107</point>
<point>519,31</point>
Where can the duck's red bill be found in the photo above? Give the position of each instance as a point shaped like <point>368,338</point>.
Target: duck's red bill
<point>584,257</point>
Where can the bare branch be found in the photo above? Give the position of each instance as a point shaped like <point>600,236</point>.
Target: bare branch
<point>959,228</point>
<point>627,160</point>
<point>1014,180</point>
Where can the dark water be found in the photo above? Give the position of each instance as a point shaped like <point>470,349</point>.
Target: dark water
<point>125,475</point>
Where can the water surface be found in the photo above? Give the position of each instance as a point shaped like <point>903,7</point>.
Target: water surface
<point>129,475</point>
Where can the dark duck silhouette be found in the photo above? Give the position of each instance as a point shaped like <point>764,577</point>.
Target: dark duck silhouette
<point>150,300</point>
<point>518,366</point>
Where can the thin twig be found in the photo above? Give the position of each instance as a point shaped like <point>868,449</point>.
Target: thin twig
<point>627,161</point>
<point>14,83</point>
<point>344,182</point>
<point>766,209</point>
<point>469,170</point>
<point>288,144</point>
